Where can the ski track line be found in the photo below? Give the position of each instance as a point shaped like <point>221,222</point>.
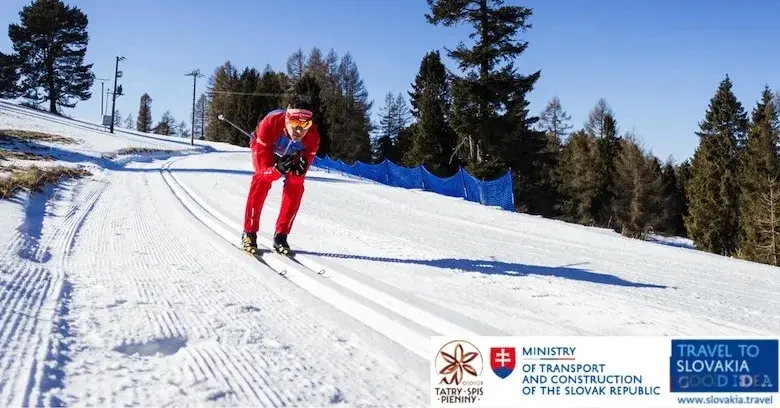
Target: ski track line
<point>339,276</point>
<point>397,331</point>
<point>658,302</point>
<point>30,300</point>
<point>557,241</point>
<point>647,299</point>
<point>380,297</point>
<point>156,316</point>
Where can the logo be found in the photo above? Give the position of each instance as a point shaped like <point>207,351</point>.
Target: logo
<point>284,145</point>
<point>502,361</point>
<point>458,360</point>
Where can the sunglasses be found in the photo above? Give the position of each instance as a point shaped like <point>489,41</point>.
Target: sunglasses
<point>300,123</point>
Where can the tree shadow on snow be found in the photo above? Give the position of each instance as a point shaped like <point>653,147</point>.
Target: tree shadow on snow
<point>493,267</point>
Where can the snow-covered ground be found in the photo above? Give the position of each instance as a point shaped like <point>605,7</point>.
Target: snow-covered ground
<point>127,287</point>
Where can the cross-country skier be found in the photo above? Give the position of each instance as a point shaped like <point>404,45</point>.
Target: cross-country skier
<point>284,143</point>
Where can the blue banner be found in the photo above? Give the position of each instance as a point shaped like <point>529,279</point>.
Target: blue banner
<point>724,366</point>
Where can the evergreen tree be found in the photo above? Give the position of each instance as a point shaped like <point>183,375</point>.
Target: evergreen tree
<point>182,129</point>
<point>201,107</point>
<point>759,170</point>
<point>129,123</point>
<point>167,125</point>
<point>609,149</point>
<point>487,89</point>
<point>9,76</point>
<point>222,83</point>
<point>351,127</point>
<point>296,66</point>
<point>51,42</point>
<point>638,190</point>
<point>144,120</point>
<point>394,119</point>
<point>577,177</point>
<point>683,173</point>
<point>673,201</point>
<point>555,121</point>
<point>713,220</point>
<point>490,109</point>
<point>433,140</point>
<point>309,86</point>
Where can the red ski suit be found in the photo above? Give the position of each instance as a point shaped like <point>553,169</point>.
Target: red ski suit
<point>267,133</point>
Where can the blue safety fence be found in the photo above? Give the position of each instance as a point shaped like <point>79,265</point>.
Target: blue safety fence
<point>497,193</point>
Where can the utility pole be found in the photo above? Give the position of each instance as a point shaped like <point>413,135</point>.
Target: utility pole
<point>195,74</point>
<point>117,74</point>
<point>102,91</point>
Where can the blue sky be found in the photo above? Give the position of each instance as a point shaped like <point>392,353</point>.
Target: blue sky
<point>657,63</point>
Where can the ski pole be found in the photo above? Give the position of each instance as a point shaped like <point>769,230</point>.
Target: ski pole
<point>222,118</point>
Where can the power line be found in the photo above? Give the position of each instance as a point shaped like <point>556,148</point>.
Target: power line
<point>246,93</point>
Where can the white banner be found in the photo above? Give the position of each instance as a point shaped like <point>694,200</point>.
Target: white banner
<point>603,372</point>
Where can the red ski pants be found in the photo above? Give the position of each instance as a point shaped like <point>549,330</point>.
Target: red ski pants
<point>292,192</point>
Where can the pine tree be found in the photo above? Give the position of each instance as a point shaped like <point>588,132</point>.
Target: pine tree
<point>308,85</point>
<point>221,84</point>
<point>760,168</point>
<point>768,224</point>
<point>577,176</point>
<point>296,66</point>
<point>683,173</point>
<point>129,123</point>
<point>166,125</point>
<point>673,201</point>
<point>351,126</point>
<point>490,109</point>
<point>51,42</point>
<point>638,190</point>
<point>486,90</point>
<point>201,107</point>
<point>713,190</point>
<point>386,138</point>
<point>433,140</point>
<point>144,120</point>
<point>9,76</point>
<point>555,121</point>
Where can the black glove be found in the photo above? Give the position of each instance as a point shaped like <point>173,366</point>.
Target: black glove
<point>284,164</point>
<point>299,166</point>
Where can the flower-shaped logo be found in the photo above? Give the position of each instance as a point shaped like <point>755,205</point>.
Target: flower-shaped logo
<point>456,360</point>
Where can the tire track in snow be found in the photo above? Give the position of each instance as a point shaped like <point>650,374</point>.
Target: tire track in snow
<point>147,278</point>
<point>34,285</point>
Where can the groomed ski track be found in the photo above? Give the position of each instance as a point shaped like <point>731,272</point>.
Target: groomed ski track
<point>407,325</point>
<point>128,287</point>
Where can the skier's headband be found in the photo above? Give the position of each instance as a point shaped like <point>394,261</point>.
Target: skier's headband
<point>299,118</point>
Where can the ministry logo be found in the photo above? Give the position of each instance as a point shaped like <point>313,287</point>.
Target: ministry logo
<point>502,360</point>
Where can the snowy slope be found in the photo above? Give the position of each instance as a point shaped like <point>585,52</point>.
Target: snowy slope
<point>127,287</point>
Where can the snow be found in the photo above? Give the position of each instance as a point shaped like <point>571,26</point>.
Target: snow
<point>127,287</point>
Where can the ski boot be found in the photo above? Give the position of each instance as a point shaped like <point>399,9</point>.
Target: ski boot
<point>249,242</point>
<point>280,244</point>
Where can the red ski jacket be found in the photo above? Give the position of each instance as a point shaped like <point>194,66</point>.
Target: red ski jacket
<point>270,136</point>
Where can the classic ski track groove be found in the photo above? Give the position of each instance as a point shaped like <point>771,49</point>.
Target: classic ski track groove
<point>29,302</point>
<point>206,310</point>
<point>589,249</point>
<point>301,270</point>
<point>645,298</point>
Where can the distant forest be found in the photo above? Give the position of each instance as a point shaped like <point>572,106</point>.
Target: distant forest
<point>726,198</point>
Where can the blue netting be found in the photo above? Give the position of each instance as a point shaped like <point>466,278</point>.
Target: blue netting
<point>497,193</point>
